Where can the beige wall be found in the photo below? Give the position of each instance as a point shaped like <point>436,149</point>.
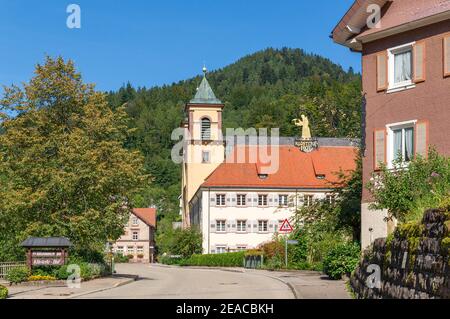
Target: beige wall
<point>373,225</point>
<point>194,171</point>
<point>143,242</point>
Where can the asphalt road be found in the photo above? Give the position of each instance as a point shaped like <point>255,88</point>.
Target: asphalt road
<point>162,282</point>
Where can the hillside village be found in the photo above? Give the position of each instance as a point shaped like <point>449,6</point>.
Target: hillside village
<point>281,162</point>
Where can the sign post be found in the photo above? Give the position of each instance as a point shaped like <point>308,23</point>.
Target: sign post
<point>286,228</point>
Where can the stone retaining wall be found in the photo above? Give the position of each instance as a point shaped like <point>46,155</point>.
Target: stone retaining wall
<point>413,263</point>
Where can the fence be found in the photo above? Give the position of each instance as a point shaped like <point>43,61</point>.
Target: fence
<point>5,267</point>
<point>253,262</point>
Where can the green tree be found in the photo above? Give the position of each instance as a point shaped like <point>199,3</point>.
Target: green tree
<point>64,169</point>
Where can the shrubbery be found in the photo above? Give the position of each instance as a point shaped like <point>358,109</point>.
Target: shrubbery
<point>119,258</point>
<point>41,278</point>
<point>3,292</point>
<point>407,193</point>
<point>341,260</point>
<point>217,260</point>
<point>171,260</point>
<point>17,275</point>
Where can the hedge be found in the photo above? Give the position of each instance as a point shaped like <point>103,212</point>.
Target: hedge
<point>217,260</point>
<point>3,292</point>
<point>341,260</point>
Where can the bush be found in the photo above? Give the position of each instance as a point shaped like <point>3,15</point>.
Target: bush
<point>18,275</point>
<point>406,193</point>
<point>87,271</point>
<point>186,242</point>
<point>41,278</point>
<point>61,273</point>
<point>119,258</point>
<point>217,260</point>
<point>3,292</point>
<point>171,260</point>
<point>341,260</point>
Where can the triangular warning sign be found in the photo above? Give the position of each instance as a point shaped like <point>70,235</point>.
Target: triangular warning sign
<point>286,227</point>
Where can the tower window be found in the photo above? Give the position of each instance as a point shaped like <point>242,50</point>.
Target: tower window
<point>205,157</point>
<point>206,129</point>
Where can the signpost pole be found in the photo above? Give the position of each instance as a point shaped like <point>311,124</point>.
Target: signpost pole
<point>286,251</point>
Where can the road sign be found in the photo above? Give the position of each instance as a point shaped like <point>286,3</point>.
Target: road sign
<point>292,242</point>
<point>286,227</point>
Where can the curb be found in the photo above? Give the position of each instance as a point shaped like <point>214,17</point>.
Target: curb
<point>123,283</point>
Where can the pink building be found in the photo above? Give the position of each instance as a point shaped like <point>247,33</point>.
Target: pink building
<point>138,239</point>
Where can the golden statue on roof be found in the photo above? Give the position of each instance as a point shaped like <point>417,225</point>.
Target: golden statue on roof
<point>304,123</point>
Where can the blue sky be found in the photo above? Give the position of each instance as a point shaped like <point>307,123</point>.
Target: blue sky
<point>151,42</point>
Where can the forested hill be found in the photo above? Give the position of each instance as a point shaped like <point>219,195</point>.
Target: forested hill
<point>265,89</point>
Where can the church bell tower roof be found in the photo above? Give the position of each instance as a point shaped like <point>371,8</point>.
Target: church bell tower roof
<point>205,94</point>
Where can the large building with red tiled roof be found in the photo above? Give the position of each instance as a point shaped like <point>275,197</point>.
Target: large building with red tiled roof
<point>238,207</point>
<point>138,239</point>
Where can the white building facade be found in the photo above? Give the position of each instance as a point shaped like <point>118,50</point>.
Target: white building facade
<point>244,218</point>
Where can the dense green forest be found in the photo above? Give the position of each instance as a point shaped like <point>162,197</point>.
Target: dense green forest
<point>265,89</point>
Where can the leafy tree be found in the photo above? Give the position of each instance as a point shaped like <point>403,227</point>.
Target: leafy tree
<point>64,169</point>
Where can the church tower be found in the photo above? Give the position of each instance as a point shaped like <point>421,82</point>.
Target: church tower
<point>204,148</point>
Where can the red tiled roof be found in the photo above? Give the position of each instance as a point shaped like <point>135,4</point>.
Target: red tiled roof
<point>296,169</point>
<point>147,215</point>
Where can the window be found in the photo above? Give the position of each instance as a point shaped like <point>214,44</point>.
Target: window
<point>241,248</point>
<point>130,250</point>
<point>119,250</point>
<point>403,144</point>
<point>331,199</point>
<point>241,200</point>
<point>206,129</point>
<point>262,200</point>
<point>308,200</point>
<point>220,199</point>
<point>283,200</point>
<point>205,157</point>
<point>400,66</point>
<point>135,235</point>
<point>241,225</point>
<point>140,250</point>
<point>220,226</point>
<point>262,226</point>
<point>221,249</point>
<point>134,221</point>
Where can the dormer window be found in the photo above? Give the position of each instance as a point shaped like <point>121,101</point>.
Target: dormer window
<point>206,129</point>
<point>320,176</point>
<point>263,176</point>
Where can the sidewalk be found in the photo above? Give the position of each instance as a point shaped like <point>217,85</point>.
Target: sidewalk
<point>311,284</point>
<point>61,291</point>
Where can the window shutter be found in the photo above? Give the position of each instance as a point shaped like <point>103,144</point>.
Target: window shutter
<point>249,226</point>
<point>213,228</point>
<point>379,148</point>
<point>228,201</point>
<point>419,62</point>
<point>421,146</point>
<point>446,54</point>
<point>213,199</point>
<point>233,226</point>
<point>382,71</point>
